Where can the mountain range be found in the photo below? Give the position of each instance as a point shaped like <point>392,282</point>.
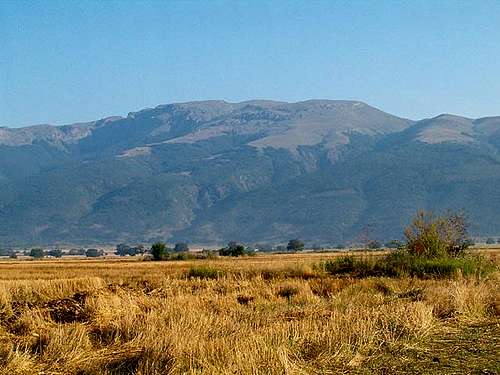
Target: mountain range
<point>257,171</point>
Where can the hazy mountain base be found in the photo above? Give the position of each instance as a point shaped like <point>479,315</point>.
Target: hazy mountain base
<point>209,172</point>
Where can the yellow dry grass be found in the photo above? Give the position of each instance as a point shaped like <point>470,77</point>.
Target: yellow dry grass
<point>263,315</point>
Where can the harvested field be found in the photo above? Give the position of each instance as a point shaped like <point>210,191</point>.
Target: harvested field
<point>267,314</point>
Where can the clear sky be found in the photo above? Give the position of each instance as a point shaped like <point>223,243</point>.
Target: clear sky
<point>69,61</point>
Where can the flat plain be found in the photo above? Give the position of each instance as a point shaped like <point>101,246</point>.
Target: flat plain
<point>262,314</point>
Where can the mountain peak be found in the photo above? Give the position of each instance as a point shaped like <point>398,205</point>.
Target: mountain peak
<point>445,128</point>
<point>451,117</point>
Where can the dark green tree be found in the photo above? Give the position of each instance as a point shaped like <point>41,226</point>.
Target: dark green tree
<point>56,253</point>
<point>122,249</point>
<point>93,253</point>
<point>233,249</point>
<point>159,251</point>
<point>139,249</point>
<point>295,245</point>
<point>37,253</point>
<point>76,252</point>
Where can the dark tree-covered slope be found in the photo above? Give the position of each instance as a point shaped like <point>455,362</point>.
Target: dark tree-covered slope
<point>255,171</point>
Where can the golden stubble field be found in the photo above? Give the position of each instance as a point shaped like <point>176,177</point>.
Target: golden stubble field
<point>267,314</point>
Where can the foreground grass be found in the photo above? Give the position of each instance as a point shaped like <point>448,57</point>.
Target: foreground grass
<point>231,316</point>
<point>472,349</point>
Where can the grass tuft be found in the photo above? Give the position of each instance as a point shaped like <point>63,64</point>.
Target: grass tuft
<point>205,272</point>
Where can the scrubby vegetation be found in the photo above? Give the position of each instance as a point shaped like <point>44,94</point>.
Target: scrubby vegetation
<point>93,253</point>
<point>205,272</point>
<point>295,245</point>
<point>436,246</point>
<point>437,236</point>
<point>124,250</point>
<point>402,263</point>
<point>233,249</point>
<point>37,253</point>
<point>159,251</point>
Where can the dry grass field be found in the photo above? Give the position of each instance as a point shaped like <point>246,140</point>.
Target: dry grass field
<point>267,314</point>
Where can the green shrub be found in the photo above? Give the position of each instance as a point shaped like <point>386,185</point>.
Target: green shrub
<point>37,253</point>
<point>448,267</point>
<point>205,272</point>
<point>93,253</point>
<point>159,251</point>
<point>295,245</point>
<point>435,247</point>
<point>340,265</point>
<point>437,236</point>
<point>232,249</point>
<point>402,263</point>
<point>124,250</point>
<point>56,253</point>
<point>359,267</point>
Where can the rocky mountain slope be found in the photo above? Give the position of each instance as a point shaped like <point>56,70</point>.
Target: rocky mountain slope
<point>255,171</point>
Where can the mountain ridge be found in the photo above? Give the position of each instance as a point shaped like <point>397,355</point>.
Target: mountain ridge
<point>211,171</point>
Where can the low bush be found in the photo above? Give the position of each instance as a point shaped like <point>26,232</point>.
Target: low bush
<point>341,265</point>
<point>233,249</point>
<point>159,251</point>
<point>435,247</point>
<point>185,256</point>
<point>402,263</point>
<point>205,272</point>
<point>93,253</point>
<point>37,253</point>
<point>437,236</point>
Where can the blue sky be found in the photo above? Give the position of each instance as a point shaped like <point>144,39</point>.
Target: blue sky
<point>69,61</point>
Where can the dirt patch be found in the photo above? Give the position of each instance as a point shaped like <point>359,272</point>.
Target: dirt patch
<point>470,350</point>
<point>68,310</point>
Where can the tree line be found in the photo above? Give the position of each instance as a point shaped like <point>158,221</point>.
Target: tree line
<point>180,251</point>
